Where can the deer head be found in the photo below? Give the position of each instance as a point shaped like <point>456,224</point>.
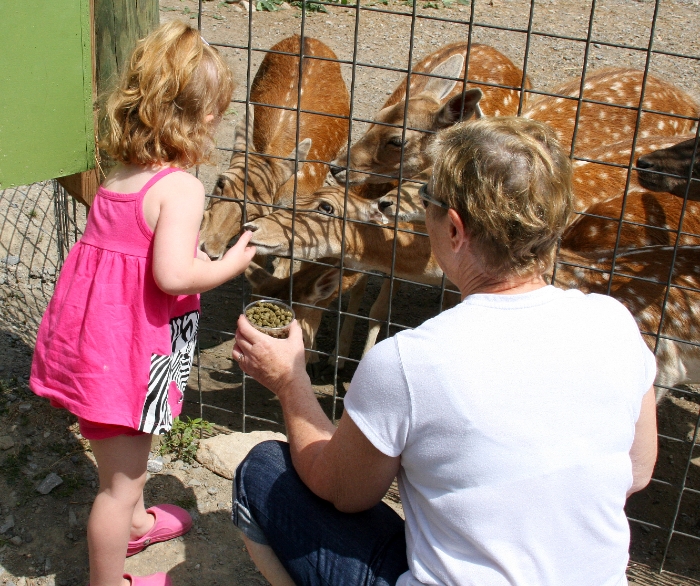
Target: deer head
<point>384,150</point>
<point>258,187</point>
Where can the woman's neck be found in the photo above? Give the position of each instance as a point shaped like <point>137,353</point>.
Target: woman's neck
<point>476,281</point>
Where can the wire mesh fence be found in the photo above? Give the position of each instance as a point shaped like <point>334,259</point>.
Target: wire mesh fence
<point>626,241</point>
<point>359,272</point>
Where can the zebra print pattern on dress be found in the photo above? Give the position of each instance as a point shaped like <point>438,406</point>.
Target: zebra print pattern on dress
<point>183,333</point>
<point>156,415</point>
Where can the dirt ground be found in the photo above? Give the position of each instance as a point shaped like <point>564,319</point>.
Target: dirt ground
<point>51,548</point>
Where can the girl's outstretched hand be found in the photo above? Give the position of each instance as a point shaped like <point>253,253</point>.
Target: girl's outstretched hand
<point>240,254</point>
<point>279,365</point>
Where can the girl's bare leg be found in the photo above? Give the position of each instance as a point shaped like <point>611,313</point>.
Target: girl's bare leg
<point>141,521</point>
<point>121,465</point>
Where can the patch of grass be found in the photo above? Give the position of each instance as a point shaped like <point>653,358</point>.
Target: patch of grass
<point>14,462</point>
<point>71,483</point>
<point>268,5</point>
<point>181,440</point>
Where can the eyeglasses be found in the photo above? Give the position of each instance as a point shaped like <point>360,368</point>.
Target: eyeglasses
<point>428,199</point>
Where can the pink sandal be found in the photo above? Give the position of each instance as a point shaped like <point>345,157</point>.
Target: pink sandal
<point>171,521</point>
<point>159,579</point>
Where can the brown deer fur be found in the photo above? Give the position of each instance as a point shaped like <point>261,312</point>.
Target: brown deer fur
<point>433,104</point>
<point>274,132</point>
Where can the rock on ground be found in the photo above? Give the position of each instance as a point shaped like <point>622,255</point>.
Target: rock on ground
<point>222,454</point>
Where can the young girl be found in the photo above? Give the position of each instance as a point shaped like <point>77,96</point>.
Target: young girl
<point>116,343</point>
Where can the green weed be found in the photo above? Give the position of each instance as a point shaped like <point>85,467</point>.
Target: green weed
<point>181,440</point>
<point>71,483</point>
<point>14,462</point>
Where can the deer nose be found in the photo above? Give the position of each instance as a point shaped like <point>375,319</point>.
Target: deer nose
<point>642,164</point>
<point>384,204</point>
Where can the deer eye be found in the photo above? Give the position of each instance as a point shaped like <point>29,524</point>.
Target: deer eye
<point>395,141</point>
<point>326,208</point>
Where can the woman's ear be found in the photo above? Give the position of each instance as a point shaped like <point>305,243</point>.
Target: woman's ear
<point>208,118</point>
<point>458,234</point>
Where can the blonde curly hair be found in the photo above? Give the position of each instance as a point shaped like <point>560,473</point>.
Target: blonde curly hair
<point>510,183</point>
<point>157,113</point>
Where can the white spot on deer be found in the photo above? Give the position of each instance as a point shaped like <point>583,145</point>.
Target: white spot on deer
<point>661,125</point>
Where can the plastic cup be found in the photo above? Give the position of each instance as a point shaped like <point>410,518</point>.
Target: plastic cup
<point>281,331</point>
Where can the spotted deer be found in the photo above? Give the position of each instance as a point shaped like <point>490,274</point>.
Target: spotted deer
<point>609,111</point>
<point>603,175</point>
<point>319,231</point>
<point>669,168</point>
<point>433,103</point>
<point>639,282</point>
<point>599,193</point>
<point>270,137</point>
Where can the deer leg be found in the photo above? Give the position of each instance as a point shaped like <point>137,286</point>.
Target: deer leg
<point>357,291</point>
<point>378,314</point>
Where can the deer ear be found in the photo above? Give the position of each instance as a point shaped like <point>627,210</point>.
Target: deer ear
<point>287,164</point>
<point>455,110</point>
<point>326,285</point>
<point>441,88</point>
<point>257,276</point>
<point>244,138</point>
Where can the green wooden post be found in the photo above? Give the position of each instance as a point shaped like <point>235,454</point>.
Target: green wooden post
<point>117,25</point>
<point>46,121</point>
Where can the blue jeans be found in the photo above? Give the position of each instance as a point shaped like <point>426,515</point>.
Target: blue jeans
<point>316,543</point>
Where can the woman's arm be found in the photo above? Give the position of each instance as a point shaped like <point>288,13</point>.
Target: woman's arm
<point>644,446</point>
<point>339,465</point>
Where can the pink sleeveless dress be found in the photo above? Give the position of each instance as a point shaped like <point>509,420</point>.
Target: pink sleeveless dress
<point>112,347</point>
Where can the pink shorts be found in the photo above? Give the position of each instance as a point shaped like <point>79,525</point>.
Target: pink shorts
<point>99,431</point>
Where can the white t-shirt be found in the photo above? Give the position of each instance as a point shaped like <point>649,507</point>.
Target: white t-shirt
<point>514,416</point>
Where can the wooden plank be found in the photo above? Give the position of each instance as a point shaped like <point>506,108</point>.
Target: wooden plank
<point>46,124</point>
<point>83,186</point>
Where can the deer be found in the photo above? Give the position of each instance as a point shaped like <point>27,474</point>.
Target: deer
<point>253,185</point>
<point>320,231</point>
<point>640,282</point>
<point>435,101</point>
<point>669,169</point>
<point>649,219</point>
<point>609,111</point>
<point>599,192</point>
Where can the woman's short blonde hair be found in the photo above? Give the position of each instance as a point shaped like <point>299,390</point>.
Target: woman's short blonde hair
<point>510,182</point>
<point>157,113</point>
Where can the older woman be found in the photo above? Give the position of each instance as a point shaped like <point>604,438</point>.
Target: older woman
<point>517,422</point>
